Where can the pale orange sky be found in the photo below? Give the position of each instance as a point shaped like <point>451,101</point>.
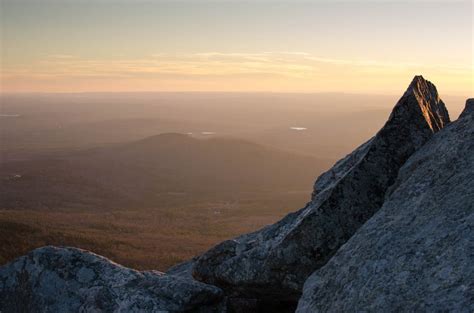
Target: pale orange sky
<point>299,46</point>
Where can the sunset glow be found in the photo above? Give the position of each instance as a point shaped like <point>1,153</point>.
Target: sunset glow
<point>77,46</point>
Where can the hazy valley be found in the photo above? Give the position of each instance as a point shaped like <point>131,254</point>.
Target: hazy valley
<point>43,124</point>
<point>108,173</point>
<point>150,180</point>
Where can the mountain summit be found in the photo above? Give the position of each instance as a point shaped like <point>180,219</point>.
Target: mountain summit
<point>273,263</point>
<point>423,93</point>
<point>388,229</point>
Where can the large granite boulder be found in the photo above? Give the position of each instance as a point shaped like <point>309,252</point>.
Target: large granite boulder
<point>272,264</point>
<point>52,279</point>
<point>417,253</point>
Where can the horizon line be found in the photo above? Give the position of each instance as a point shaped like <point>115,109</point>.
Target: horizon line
<point>5,93</point>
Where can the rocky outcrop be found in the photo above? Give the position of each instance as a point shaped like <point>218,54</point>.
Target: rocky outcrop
<point>52,279</point>
<point>389,228</point>
<point>273,263</point>
<point>417,253</point>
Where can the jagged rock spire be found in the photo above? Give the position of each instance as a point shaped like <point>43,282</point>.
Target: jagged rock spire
<point>424,94</point>
<point>273,263</point>
<point>416,253</point>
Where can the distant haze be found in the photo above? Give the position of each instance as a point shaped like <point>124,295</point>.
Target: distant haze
<point>333,124</point>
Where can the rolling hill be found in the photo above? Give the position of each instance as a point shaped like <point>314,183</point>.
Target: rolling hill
<point>166,168</point>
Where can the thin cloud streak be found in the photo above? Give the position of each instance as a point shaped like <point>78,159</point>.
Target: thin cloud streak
<point>300,70</point>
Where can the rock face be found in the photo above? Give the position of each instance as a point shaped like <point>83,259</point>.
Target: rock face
<point>417,253</point>
<point>273,263</point>
<point>52,279</point>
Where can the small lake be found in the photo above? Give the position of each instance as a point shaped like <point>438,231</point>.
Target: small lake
<point>9,115</point>
<point>298,128</point>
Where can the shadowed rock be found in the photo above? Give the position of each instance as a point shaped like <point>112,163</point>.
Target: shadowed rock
<point>52,279</point>
<point>273,263</point>
<point>468,109</point>
<point>417,253</point>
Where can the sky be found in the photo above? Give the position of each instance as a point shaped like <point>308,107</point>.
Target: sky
<point>261,45</point>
